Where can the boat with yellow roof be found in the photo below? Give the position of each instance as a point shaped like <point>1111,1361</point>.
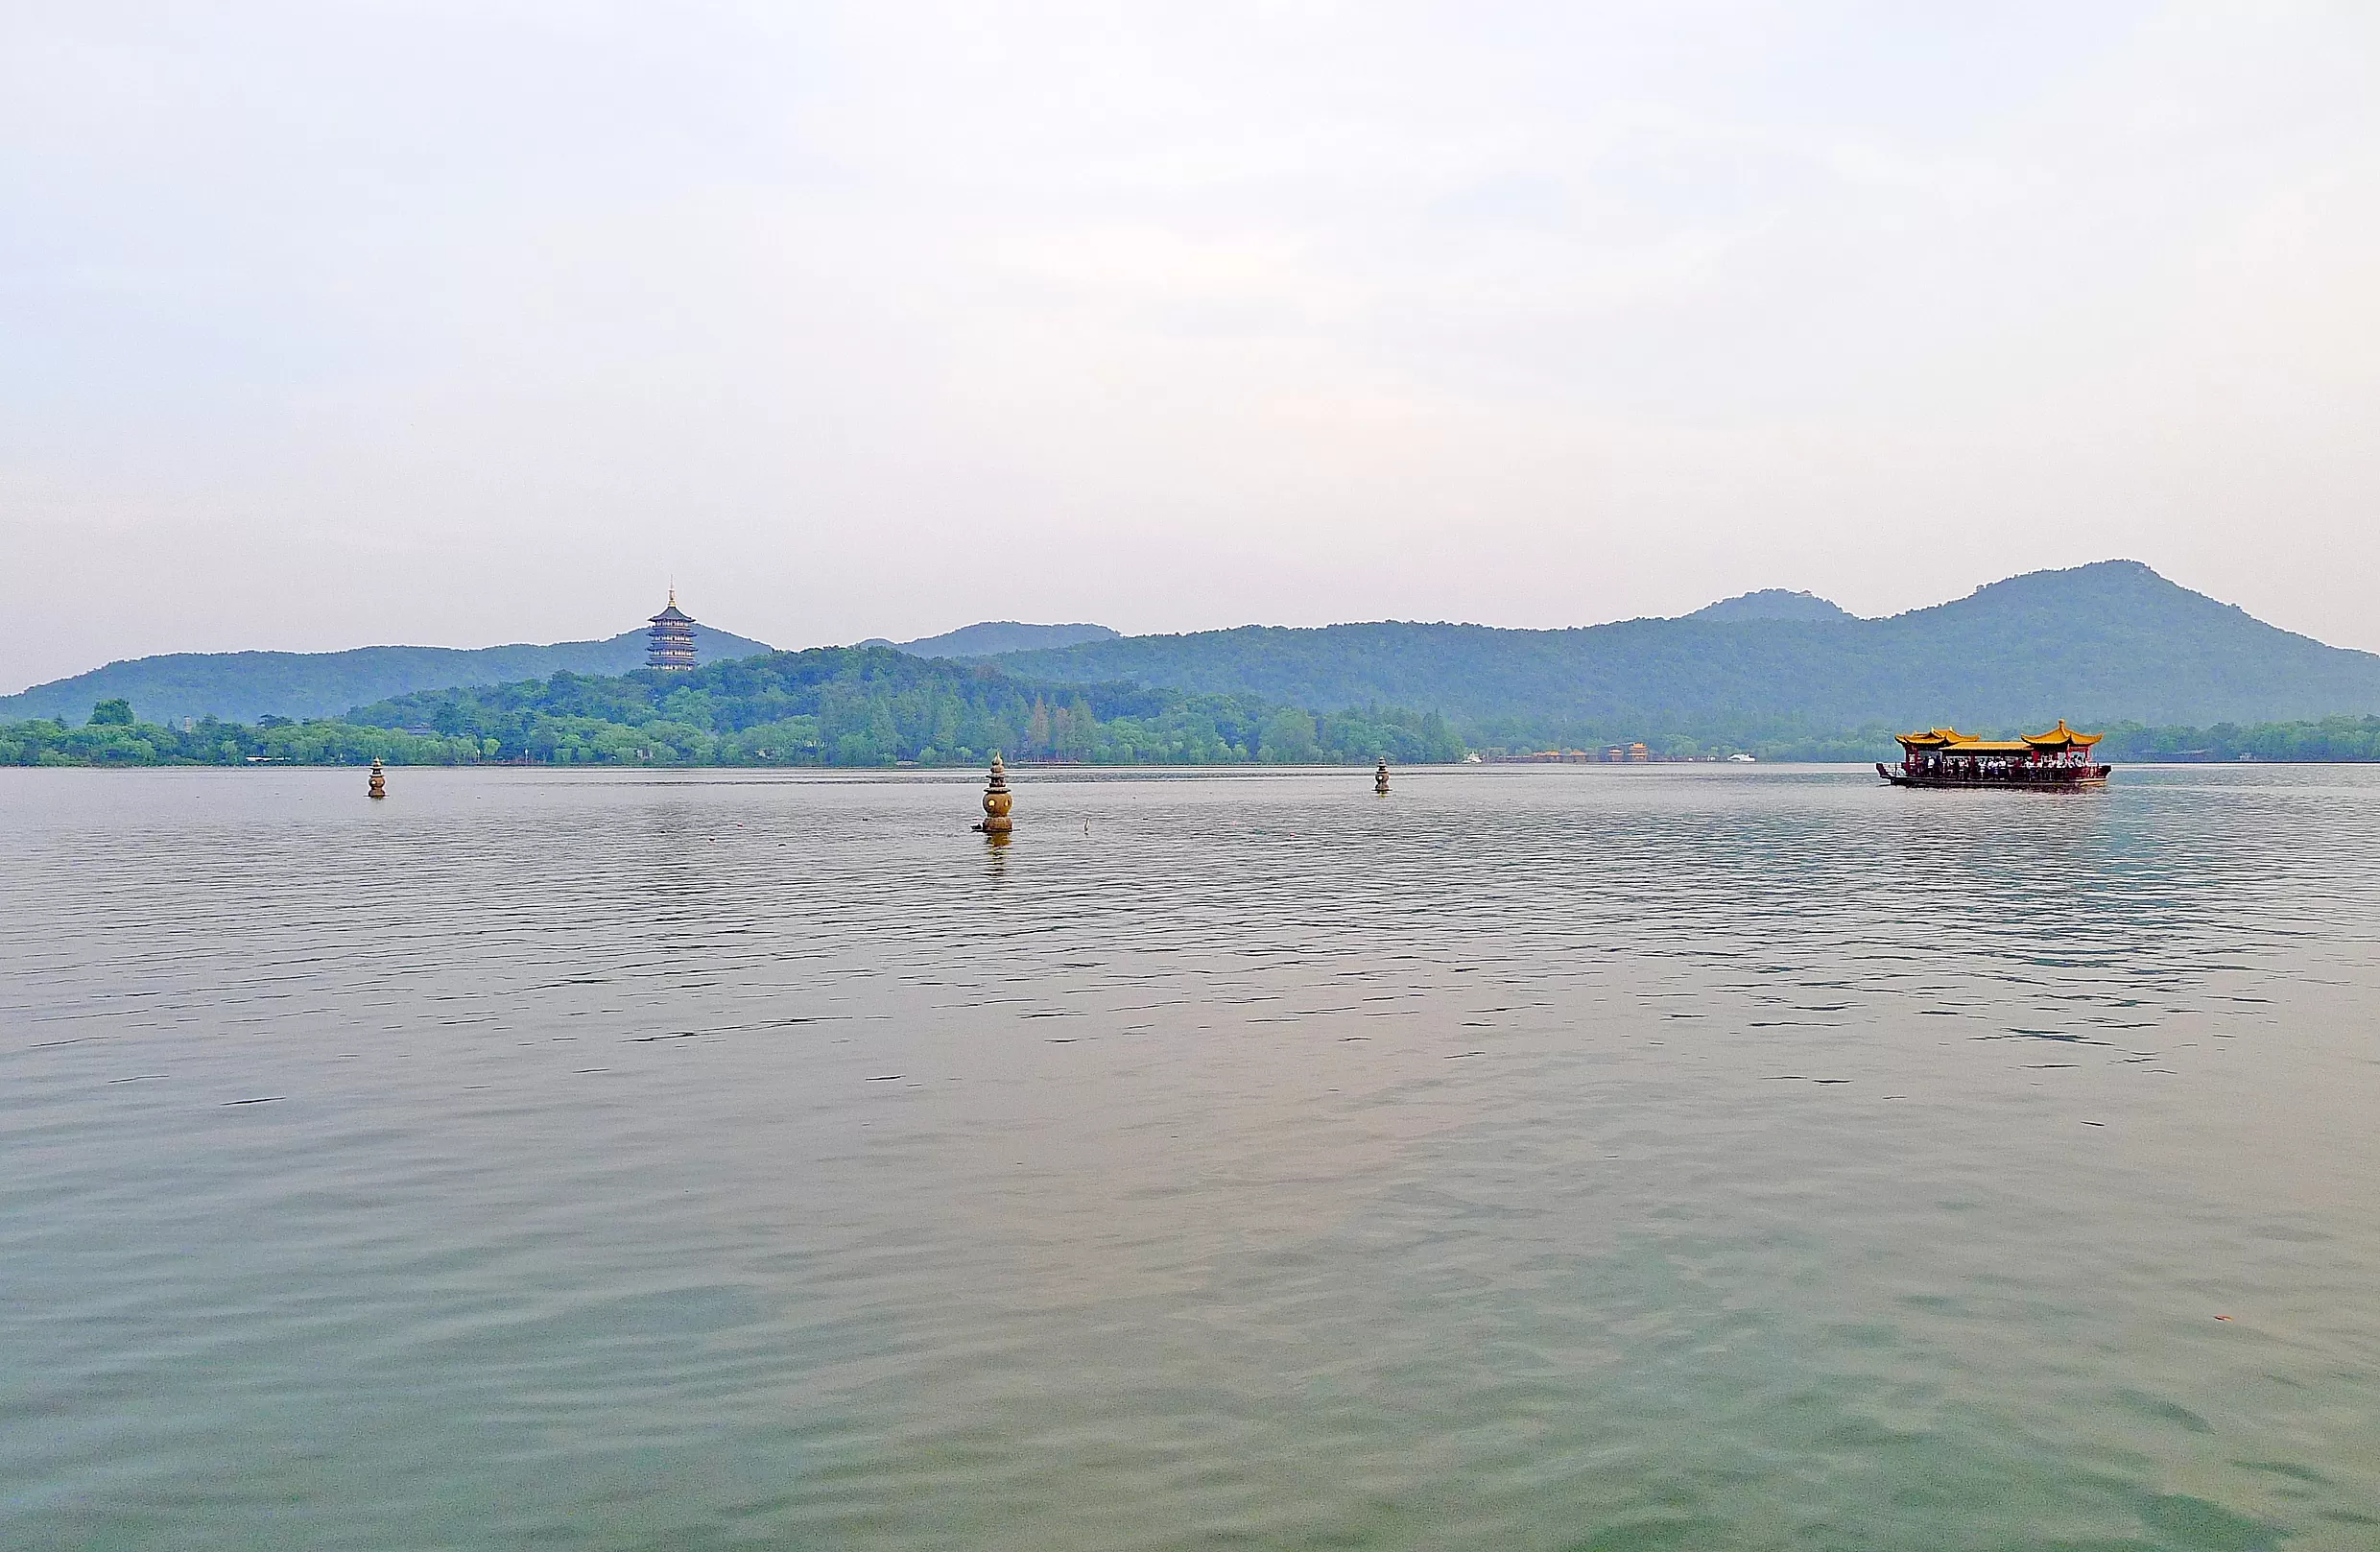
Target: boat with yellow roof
<point>2059,760</point>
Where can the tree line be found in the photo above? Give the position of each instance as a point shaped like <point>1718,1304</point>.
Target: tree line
<point>2328,738</point>
<point>874,707</point>
<point>835,705</point>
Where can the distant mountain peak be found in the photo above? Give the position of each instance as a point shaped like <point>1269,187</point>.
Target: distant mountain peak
<point>1773,604</point>
<point>2123,586</point>
<point>2107,642</point>
<point>988,637</point>
<point>2117,571</point>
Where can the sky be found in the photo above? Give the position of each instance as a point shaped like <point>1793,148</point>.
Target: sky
<point>327,324</point>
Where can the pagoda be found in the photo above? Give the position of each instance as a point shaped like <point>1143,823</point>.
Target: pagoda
<point>669,645</point>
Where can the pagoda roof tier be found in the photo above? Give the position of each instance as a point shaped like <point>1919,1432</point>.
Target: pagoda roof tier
<point>673,615</point>
<point>1950,741</point>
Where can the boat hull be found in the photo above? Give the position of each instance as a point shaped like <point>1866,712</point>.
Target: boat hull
<point>2088,779</point>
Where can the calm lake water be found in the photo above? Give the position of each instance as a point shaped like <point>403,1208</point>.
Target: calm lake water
<point>1539,1158</point>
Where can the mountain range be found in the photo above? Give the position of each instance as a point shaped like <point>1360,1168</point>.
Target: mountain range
<point>242,686</point>
<point>2102,643</point>
<point>2107,643</point>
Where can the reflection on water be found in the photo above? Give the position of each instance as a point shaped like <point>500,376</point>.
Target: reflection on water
<point>1540,1158</point>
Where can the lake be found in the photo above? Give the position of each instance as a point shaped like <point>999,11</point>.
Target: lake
<point>1571,1158</point>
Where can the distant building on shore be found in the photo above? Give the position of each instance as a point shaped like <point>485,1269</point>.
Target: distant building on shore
<point>1616,754</point>
<point>669,645</point>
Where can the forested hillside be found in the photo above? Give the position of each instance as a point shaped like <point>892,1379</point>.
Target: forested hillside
<point>242,686</point>
<point>861,707</point>
<point>988,639</point>
<point>2101,643</point>
<point>872,706</point>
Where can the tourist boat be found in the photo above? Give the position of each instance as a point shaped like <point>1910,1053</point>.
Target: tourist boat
<point>2059,760</point>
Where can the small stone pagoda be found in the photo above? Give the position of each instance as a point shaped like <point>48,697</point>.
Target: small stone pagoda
<point>996,800</point>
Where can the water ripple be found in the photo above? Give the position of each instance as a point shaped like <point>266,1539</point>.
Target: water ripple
<point>1561,1159</point>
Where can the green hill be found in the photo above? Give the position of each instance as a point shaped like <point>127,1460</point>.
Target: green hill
<point>988,639</point>
<point>873,706</point>
<point>2101,643</point>
<point>240,686</point>
<point>1771,604</point>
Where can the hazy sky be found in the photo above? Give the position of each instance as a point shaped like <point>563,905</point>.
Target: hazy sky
<point>326,324</point>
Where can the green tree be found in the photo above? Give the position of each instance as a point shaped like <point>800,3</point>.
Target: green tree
<point>1289,737</point>
<point>116,713</point>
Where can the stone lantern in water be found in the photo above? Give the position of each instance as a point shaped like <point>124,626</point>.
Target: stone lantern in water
<point>1380,777</point>
<point>997,798</point>
<point>379,787</point>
